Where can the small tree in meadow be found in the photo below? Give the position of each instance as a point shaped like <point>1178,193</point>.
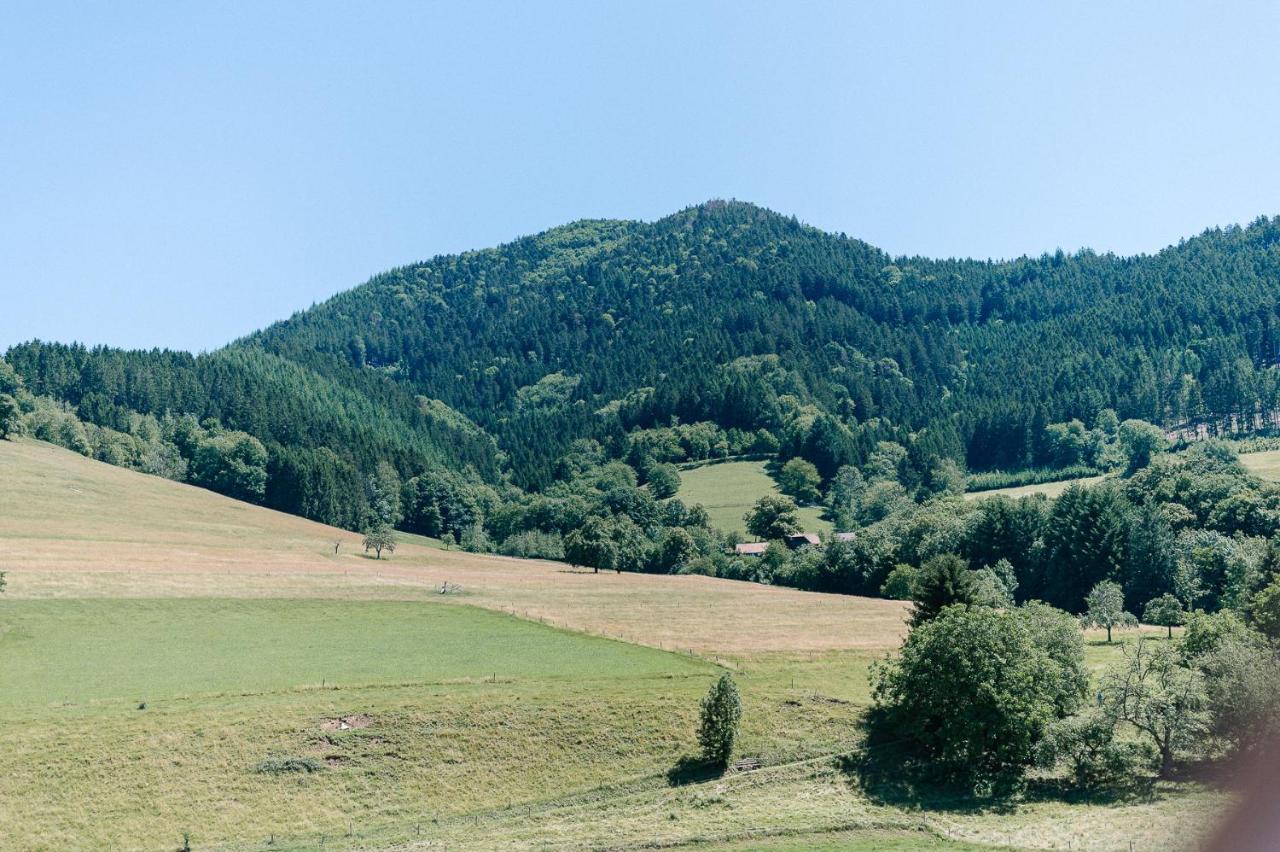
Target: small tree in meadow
<point>1165,611</point>
<point>1105,608</point>
<point>721,710</point>
<point>1159,696</point>
<point>380,539</point>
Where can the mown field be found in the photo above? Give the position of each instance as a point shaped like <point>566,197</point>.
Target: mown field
<point>1048,489</point>
<point>727,490</point>
<point>1265,464</point>
<point>165,652</point>
<point>95,650</point>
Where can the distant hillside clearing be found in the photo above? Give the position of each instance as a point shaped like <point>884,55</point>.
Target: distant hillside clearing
<point>728,489</point>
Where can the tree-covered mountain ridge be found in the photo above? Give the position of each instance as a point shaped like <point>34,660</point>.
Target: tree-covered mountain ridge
<point>656,319</point>
<point>753,331</point>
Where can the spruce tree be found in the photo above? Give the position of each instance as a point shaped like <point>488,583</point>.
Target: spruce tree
<point>721,710</point>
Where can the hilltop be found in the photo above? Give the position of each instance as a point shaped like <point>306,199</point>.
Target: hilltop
<point>727,314</point>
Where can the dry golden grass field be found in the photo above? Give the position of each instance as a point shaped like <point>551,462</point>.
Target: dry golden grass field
<point>164,650</point>
<point>73,527</point>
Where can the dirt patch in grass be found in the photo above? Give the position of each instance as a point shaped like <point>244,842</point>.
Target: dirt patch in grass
<point>347,723</point>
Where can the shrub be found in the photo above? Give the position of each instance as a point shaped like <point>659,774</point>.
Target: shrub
<point>900,585</point>
<point>282,765</point>
<point>1242,690</point>
<point>1087,747</point>
<point>993,479</point>
<point>663,480</point>
<point>718,730</point>
<point>1264,610</point>
<point>800,479</point>
<point>10,416</point>
<point>533,545</point>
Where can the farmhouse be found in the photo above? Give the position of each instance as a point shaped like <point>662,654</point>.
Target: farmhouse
<point>795,541</point>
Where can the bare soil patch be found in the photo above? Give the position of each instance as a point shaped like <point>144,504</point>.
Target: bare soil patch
<point>347,723</point>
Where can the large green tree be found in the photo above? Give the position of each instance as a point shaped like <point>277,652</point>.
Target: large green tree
<point>943,581</point>
<point>231,463</point>
<point>975,690</point>
<point>772,517</point>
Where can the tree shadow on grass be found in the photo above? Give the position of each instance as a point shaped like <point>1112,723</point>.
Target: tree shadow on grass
<point>885,771</point>
<point>693,770</point>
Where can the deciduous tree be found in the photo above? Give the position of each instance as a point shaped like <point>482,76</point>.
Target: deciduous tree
<point>1104,607</point>
<point>379,539</point>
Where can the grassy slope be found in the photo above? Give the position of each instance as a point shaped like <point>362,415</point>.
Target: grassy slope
<point>72,527</point>
<point>568,748</point>
<point>729,489</point>
<point>1264,464</point>
<point>101,649</point>
<point>1049,489</point>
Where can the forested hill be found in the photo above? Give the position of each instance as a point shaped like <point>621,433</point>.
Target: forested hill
<point>729,313</point>
<point>773,336</point>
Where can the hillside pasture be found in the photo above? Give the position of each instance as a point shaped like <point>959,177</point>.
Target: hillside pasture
<point>74,527</point>
<point>1048,489</point>
<point>571,745</point>
<point>727,490</point>
<point>172,661</point>
<point>77,651</point>
<point>1265,464</point>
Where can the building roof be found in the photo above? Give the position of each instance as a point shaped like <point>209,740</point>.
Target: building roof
<point>844,536</point>
<point>803,538</point>
<point>751,548</point>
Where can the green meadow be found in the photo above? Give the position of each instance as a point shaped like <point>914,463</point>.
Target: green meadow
<point>161,677</point>
<point>76,651</point>
<point>727,490</point>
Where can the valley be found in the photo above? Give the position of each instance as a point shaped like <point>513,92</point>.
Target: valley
<point>164,648</point>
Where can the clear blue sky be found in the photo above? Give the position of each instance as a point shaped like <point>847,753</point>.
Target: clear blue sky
<point>180,174</point>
